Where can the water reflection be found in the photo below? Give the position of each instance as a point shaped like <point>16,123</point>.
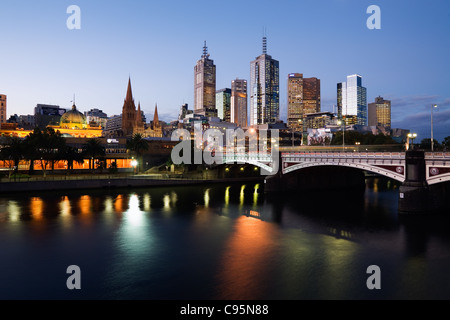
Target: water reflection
<point>233,242</point>
<point>37,208</point>
<point>246,259</point>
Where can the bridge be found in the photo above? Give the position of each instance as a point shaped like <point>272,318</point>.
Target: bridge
<point>418,171</point>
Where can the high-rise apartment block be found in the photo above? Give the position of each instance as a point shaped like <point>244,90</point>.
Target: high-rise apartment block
<point>205,86</point>
<point>380,113</point>
<point>264,89</point>
<point>223,104</point>
<point>303,99</point>
<point>238,112</point>
<point>352,101</point>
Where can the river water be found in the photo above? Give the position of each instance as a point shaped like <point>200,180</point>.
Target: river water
<point>223,241</point>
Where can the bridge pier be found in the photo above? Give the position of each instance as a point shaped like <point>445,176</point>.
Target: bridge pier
<point>415,195</point>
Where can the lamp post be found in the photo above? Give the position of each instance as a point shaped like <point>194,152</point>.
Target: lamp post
<point>134,164</point>
<point>343,132</point>
<point>432,138</point>
<point>412,136</point>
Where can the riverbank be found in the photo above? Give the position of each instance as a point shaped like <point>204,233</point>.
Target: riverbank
<point>53,183</point>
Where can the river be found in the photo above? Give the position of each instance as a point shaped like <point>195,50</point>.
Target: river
<point>220,242</point>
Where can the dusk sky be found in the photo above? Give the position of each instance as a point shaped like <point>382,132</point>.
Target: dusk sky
<point>157,44</point>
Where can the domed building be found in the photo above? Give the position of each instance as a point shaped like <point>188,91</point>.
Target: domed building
<point>74,124</point>
<point>73,119</point>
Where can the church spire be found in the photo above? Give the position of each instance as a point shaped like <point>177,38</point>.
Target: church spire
<point>129,93</point>
<point>156,117</point>
<point>139,114</point>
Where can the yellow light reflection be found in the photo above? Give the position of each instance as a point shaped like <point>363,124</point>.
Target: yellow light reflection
<point>109,205</point>
<point>14,211</point>
<point>227,196</point>
<point>147,202</point>
<point>65,207</point>
<point>85,205</point>
<point>206,198</point>
<point>166,201</point>
<point>37,208</point>
<point>255,195</point>
<point>241,196</point>
<point>119,204</point>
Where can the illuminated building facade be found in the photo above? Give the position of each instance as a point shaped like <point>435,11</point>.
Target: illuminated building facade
<point>303,98</point>
<point>205,86</point>
<point>264,89</point>
<point>352,101</point>
<point>223,104</point>
<point>380,113</point>
<point>238,113</point>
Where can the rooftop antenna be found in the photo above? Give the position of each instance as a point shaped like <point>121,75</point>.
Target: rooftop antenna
<point>73,101</point>
<point>264,41</point>
<point>205,51</point>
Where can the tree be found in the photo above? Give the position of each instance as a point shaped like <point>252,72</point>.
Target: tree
<point>93,149</point>
<point>46,146</point>
<point>13,152</point>
<point>425,144</point>
<point>137,145</point>
<point>446,143</point>
<point>71,155</point>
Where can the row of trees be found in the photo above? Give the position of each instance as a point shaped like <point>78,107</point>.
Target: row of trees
<point>49,146</point>
<point>425,144</point>
<point>352,137</point>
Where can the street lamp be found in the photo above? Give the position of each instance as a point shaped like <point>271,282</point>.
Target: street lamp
<point>412,136</point>
<point>343,132</point>
<point>134,164</point>
<point>432,138</point>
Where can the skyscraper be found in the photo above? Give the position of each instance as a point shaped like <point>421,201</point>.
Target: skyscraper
<point>264,89</point>
<point>380,113</point>
<point>3,108</point>
<point>303,98</point>
<point>223,104</point>
<point>239,102</point>
<point>352,101</point>
<point>205,85</point>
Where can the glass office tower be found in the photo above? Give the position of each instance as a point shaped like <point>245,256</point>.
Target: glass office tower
<point>352,101</point>
<point>264,89</point>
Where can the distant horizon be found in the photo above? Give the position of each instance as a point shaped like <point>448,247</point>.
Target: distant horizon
<point>157,45</point>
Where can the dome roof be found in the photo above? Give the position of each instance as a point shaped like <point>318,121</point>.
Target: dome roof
<point>73,119</point>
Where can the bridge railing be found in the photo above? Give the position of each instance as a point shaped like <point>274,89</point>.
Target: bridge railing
<point>346,155</point>
<point>437,155</point>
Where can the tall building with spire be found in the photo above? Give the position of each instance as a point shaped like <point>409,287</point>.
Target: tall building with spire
<point>128,113</point>
<point>264,89</point>
<point>205,85</point>
<point>154,128</point>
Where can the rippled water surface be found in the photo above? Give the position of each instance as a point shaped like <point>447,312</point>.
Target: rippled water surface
<point>219,242</point>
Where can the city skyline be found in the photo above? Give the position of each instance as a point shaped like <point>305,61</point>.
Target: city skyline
<point>157,44</point>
